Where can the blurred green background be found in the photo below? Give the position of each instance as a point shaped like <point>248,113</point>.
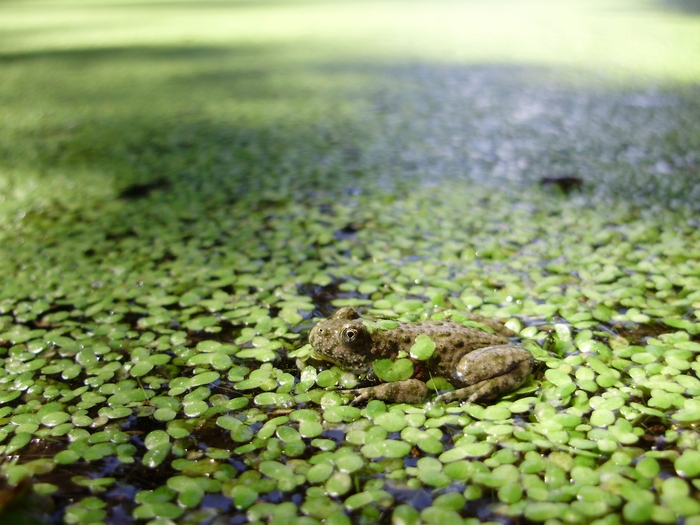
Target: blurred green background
<point>230,97</point>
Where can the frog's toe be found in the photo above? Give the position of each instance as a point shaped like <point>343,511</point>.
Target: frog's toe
<point>361,395</point>
<point>361,399</point>
<point>468,394</point>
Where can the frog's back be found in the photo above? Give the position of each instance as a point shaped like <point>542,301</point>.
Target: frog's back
<point>452,342</point>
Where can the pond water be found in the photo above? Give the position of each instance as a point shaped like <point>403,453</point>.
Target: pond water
<point>174,223</point>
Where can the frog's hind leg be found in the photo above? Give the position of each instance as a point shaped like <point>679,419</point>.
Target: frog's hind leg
<point>411,391</point>
<point>490,373</point>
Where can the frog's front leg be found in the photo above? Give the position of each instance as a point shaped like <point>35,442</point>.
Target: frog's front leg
<point>410,391</point>
<point>489,373</point>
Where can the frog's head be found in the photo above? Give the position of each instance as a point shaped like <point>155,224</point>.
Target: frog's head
<point>344,341</point>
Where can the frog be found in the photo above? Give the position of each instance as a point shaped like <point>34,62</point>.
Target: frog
<point>480,361</point>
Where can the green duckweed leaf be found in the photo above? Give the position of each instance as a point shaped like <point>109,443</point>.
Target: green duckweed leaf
<point>405,515</point>
<point>385,448</point>
<point>243,496</point>
<point>390,371</point>
<point>423,348</point>
<point>203,378</point>
<point>17,442</point>
<point>688,464</point>
<point>163,510</point>
<point>338,484</point>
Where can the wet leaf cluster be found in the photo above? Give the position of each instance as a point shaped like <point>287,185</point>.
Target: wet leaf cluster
<point>178,365</point>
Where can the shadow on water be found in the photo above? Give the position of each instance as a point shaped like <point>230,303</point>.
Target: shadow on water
<point>136,113</point>
<point>221,122</point>
<point>686,6</point>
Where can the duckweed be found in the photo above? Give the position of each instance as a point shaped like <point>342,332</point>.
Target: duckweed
<point>148,345</point>
<point>423,348</point>
<point>388,370</point>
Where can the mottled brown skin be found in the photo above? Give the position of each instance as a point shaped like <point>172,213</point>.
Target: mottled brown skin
<point>480,365</point>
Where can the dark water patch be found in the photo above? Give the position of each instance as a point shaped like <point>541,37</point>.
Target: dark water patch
<point>144,190</point>
<point>654,437</point>
<point>565,184</point>
<point>322,296</point>
<point>419,499</point>
<point>689,7</point>
<point>636,333</point>
<point>348,231</point>
<point>121,503</point>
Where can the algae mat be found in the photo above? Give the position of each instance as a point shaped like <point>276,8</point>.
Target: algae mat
<point>180,204</point>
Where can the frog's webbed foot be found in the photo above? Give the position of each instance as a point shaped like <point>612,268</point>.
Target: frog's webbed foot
<point>410,391</point>
<point>490,373</point>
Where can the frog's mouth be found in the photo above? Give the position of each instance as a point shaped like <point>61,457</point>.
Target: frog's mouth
<point>320,357</point>
<point>361,372</point>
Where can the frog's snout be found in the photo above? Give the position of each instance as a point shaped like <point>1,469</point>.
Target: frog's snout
<point>313,337</point>
<point>317,336</point>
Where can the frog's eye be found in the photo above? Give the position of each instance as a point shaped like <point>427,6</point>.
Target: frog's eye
<point>349,334</point>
